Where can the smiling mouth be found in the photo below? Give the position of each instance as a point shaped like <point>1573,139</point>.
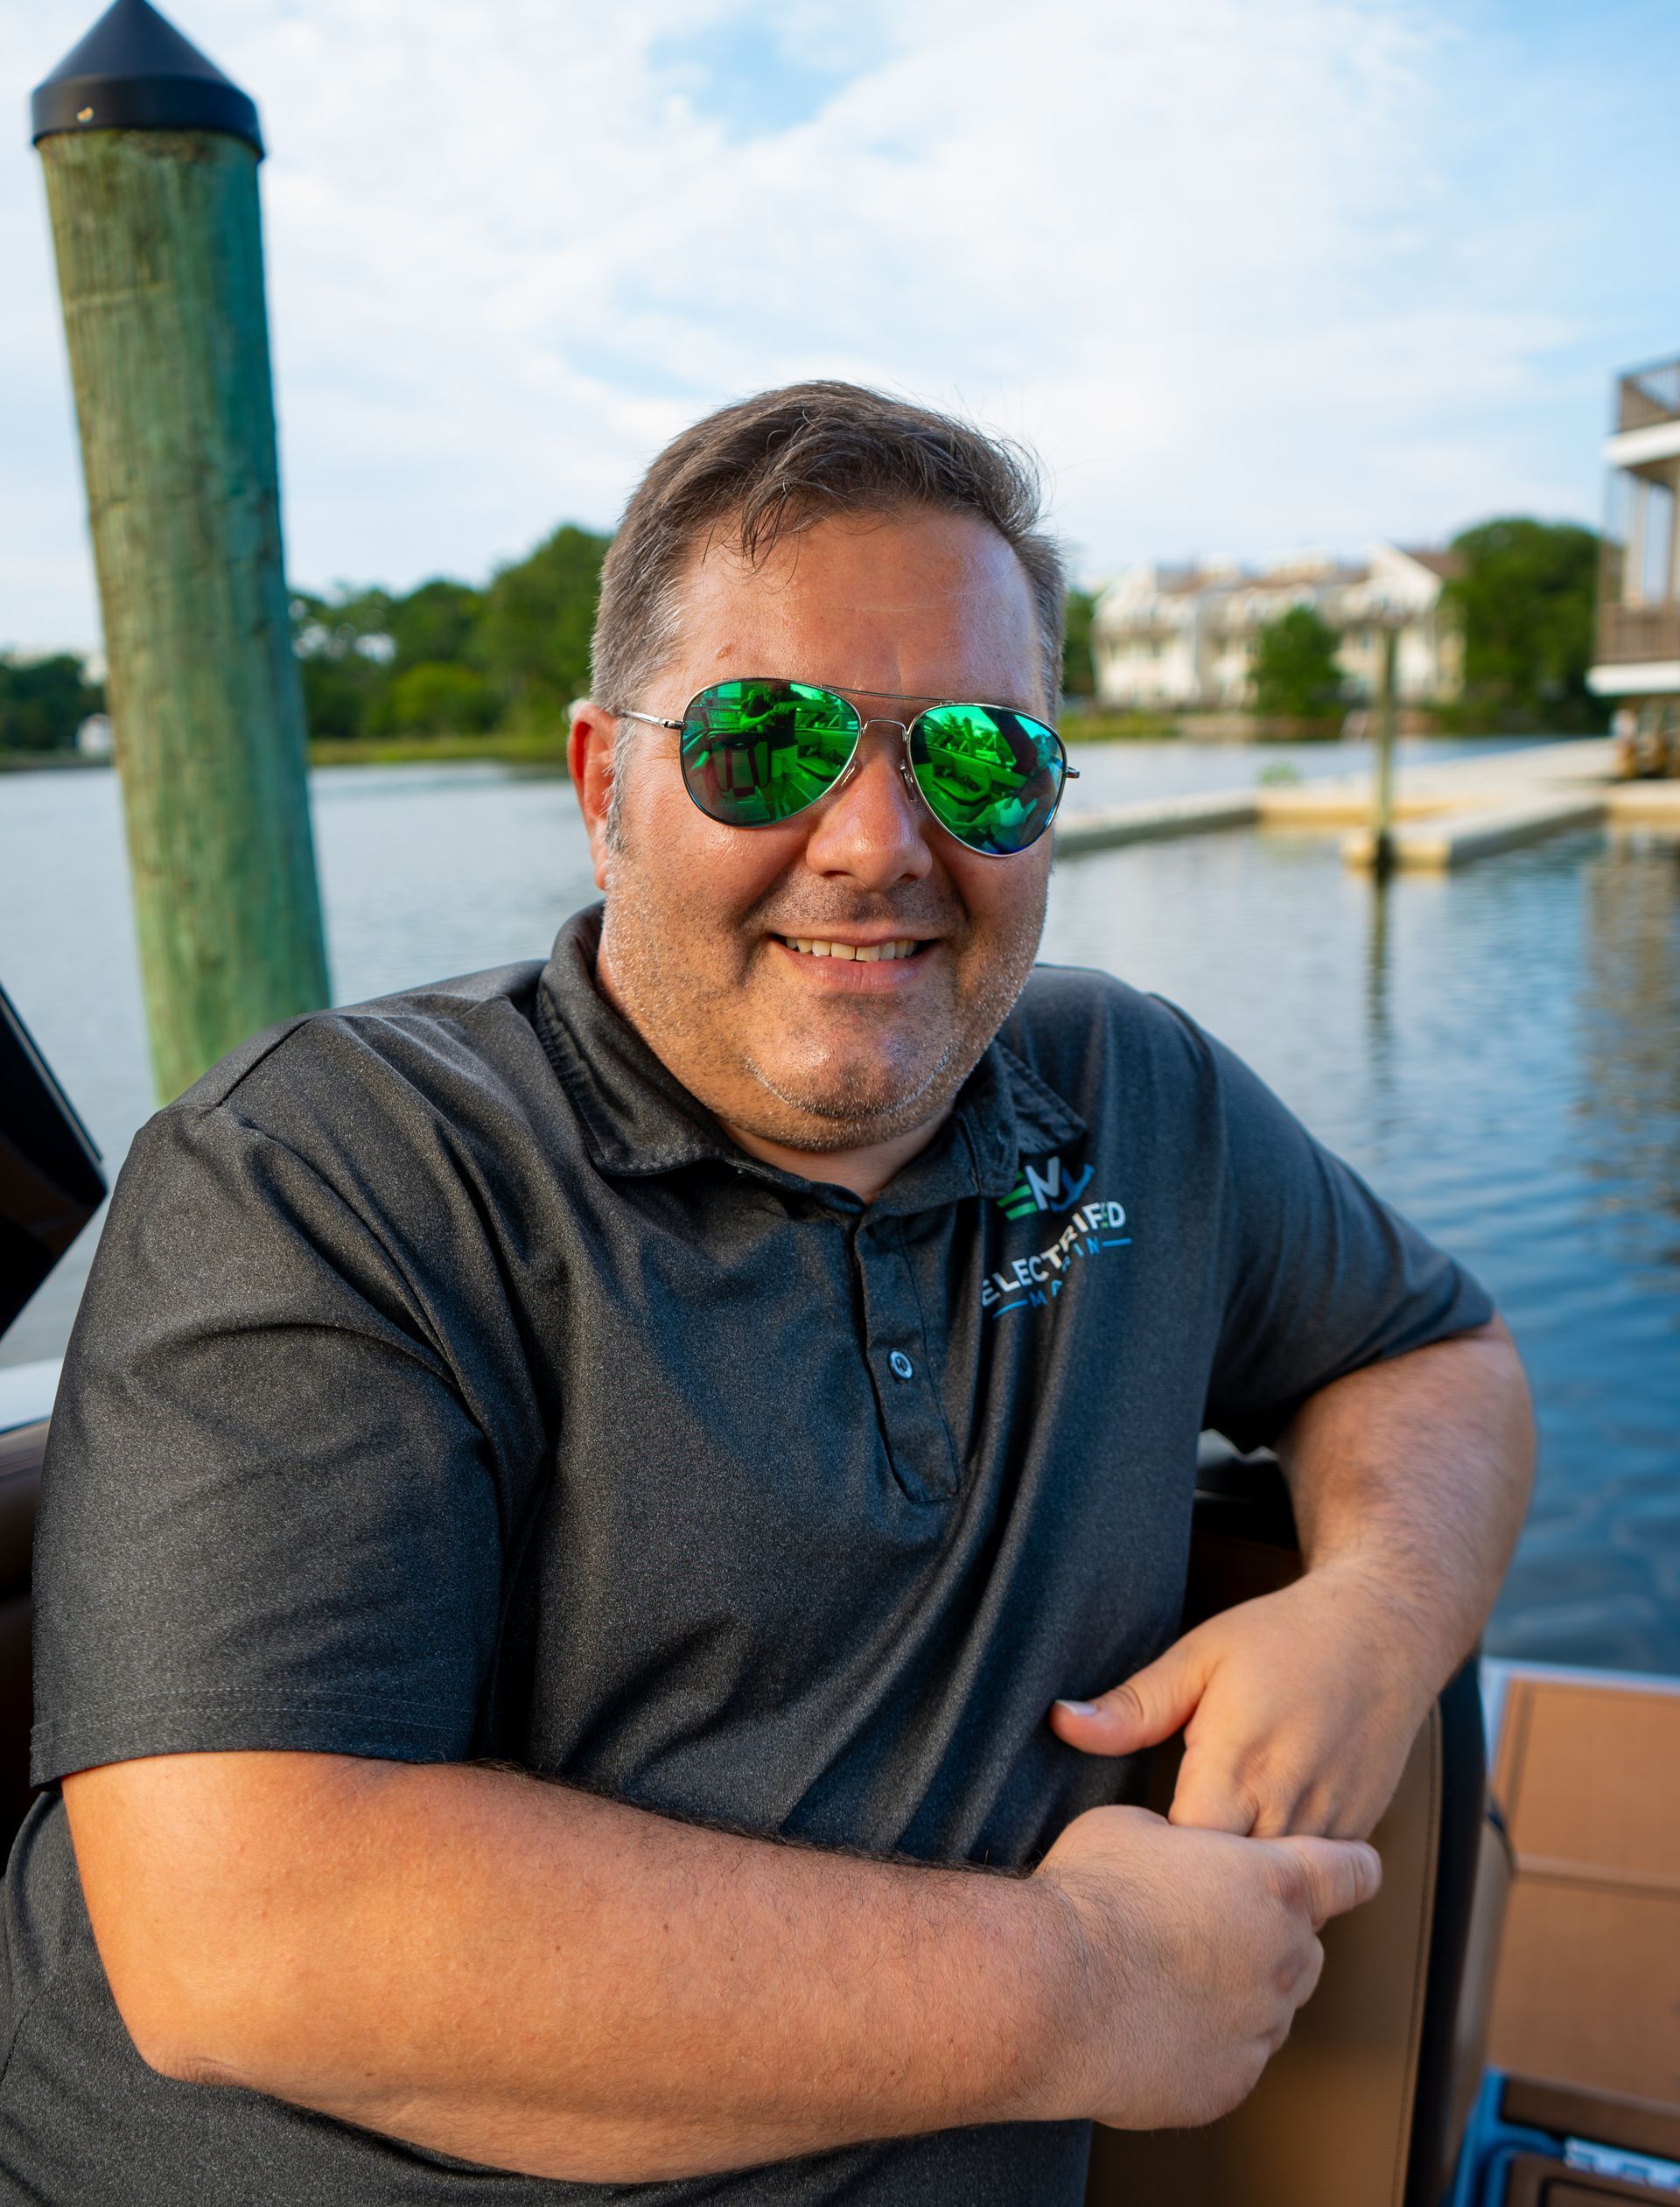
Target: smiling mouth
<point>864,953</point>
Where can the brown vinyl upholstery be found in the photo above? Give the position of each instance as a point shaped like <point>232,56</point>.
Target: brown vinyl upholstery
<point>21,1450</point>
<point>1588,1776</point>
<point>1365,2105</point>
<point>1535,2182</point>
<point>1639,2126</point>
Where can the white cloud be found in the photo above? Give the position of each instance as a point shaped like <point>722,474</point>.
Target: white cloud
<point>1211,259</point>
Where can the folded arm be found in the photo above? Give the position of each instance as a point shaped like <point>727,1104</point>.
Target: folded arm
<point>1410,1479</point>
<point>535,1978</point>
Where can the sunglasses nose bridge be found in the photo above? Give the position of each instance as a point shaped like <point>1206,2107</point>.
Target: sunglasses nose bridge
<point>907,773</point>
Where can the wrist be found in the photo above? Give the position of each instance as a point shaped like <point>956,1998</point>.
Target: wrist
<point>1409,1629</point>
<point>1042,1968</point>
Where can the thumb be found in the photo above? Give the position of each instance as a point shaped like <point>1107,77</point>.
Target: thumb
<point>1335,1874</point>
<point>1149,1707</point>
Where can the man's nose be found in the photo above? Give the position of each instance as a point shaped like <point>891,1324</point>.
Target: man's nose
<point>871,829</point>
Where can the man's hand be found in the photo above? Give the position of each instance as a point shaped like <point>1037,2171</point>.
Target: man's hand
<point>1298,1711</point>
<point>1408,1480</point>
<point>1199,1948</point>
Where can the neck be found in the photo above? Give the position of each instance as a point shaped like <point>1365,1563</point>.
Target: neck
<point>866,1171</point>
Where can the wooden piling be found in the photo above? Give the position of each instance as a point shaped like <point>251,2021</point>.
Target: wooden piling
<point>151,183</point>
<point>1383,854</point>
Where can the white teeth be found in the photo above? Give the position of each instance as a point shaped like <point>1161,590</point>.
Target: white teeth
<point>868,953</point>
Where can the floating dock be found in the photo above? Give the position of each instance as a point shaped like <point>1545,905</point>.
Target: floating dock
<point>1445,816</point>
<point>1150,818</point>
<point>1454,839</point>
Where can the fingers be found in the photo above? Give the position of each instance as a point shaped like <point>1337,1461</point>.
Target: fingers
<point>1209,1798</point>
<point>1150,1706</point>
<point>1337,1875</point>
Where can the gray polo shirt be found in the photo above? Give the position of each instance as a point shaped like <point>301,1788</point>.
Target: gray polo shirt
<point>449,1386</point>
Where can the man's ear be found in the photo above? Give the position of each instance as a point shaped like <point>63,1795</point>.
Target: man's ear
<point>589,753</point>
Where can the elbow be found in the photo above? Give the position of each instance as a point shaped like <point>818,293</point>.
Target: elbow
<point>194,2026</point>
<point>225,1963</point>
<point>177,2055</point>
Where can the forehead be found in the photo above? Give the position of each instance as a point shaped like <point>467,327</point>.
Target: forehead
<point>915,603</point>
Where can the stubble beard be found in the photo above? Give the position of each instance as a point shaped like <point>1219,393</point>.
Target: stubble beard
<point>850,1097</point>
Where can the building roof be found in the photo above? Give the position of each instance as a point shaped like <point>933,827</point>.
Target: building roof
<point>1443,564</point>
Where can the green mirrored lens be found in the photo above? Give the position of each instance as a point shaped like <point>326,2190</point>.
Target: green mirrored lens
<point>757,752</point>
<point>991,776</point>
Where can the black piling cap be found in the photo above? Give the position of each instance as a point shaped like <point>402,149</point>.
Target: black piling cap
<point>134,72</point>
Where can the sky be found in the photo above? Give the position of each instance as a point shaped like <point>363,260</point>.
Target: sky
<point>1250,277</point>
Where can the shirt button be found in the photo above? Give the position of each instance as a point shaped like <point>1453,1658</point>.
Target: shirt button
<point>901,1364</point>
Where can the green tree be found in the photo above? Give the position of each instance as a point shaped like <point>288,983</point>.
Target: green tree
<point>534,632</point>
<point>436,622</point>
<point>1296,676</point>
<point>441,696</point>
<point>1525,592</point>
<point>43,702</point>
<point>1078,666</point>
<point>344,650</point>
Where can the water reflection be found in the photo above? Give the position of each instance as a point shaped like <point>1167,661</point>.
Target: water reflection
<point>1376,966</point>
<point>1629,1011</point>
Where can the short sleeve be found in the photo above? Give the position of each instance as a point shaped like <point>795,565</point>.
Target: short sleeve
<point>266,1518</point>
<point>1316,1276</point>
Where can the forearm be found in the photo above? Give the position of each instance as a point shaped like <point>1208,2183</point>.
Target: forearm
<point>1411,1478</point>
<point>525,1976</point>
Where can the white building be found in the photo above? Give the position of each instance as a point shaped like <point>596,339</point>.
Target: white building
<point>1638,645</point>
<point>1182,639</point>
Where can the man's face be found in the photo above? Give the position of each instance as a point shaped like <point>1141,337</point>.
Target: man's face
<point>824,1052</point>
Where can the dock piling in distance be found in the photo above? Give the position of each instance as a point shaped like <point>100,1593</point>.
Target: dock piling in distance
<point>150,157</point>
<point>1382,805</point>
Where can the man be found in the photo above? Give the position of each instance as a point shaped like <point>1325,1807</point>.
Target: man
<point>575,1491</point>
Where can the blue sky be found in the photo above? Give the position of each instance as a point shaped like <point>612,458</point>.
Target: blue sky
<point>1249,277</point>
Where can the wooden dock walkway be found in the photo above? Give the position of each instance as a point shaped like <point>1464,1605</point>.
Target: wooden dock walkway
<point>1446,815</point>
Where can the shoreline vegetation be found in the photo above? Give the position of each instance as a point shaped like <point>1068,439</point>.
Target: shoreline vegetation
<point>455,671</point>
<point>544,750</point>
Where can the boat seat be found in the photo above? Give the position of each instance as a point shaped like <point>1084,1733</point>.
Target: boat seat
<point>1366,2103</point>
<point>1536,2142</point>
<point>21,1450</point>
<point>1535,2182</point>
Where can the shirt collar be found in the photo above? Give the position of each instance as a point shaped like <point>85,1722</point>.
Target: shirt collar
<point>638,1119</point>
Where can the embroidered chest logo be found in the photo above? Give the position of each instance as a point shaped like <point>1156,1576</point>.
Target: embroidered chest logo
<point>1098,1224</point>
<point>1051,1190</point>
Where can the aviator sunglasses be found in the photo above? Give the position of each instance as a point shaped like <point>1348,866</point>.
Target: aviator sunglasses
<point>755,753</point>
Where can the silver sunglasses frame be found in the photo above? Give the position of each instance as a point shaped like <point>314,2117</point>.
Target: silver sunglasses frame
<point>907,770</point>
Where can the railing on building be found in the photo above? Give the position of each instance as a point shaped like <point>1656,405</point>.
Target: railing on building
<point>1630,634</point>
<point>1639,566</point>
<point>1647,396</point>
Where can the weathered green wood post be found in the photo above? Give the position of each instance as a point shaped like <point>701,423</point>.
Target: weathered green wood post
<point>150,157</point>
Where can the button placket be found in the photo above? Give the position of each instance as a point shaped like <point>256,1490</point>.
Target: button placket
<point>919,1444</point>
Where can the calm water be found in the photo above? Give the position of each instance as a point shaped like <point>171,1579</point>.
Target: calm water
<point>1498,1051</point>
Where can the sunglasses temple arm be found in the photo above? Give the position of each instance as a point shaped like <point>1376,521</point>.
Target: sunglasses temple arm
<point>647,719</point>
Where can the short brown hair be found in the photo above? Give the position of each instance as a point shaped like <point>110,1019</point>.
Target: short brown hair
<point>775,463</point>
